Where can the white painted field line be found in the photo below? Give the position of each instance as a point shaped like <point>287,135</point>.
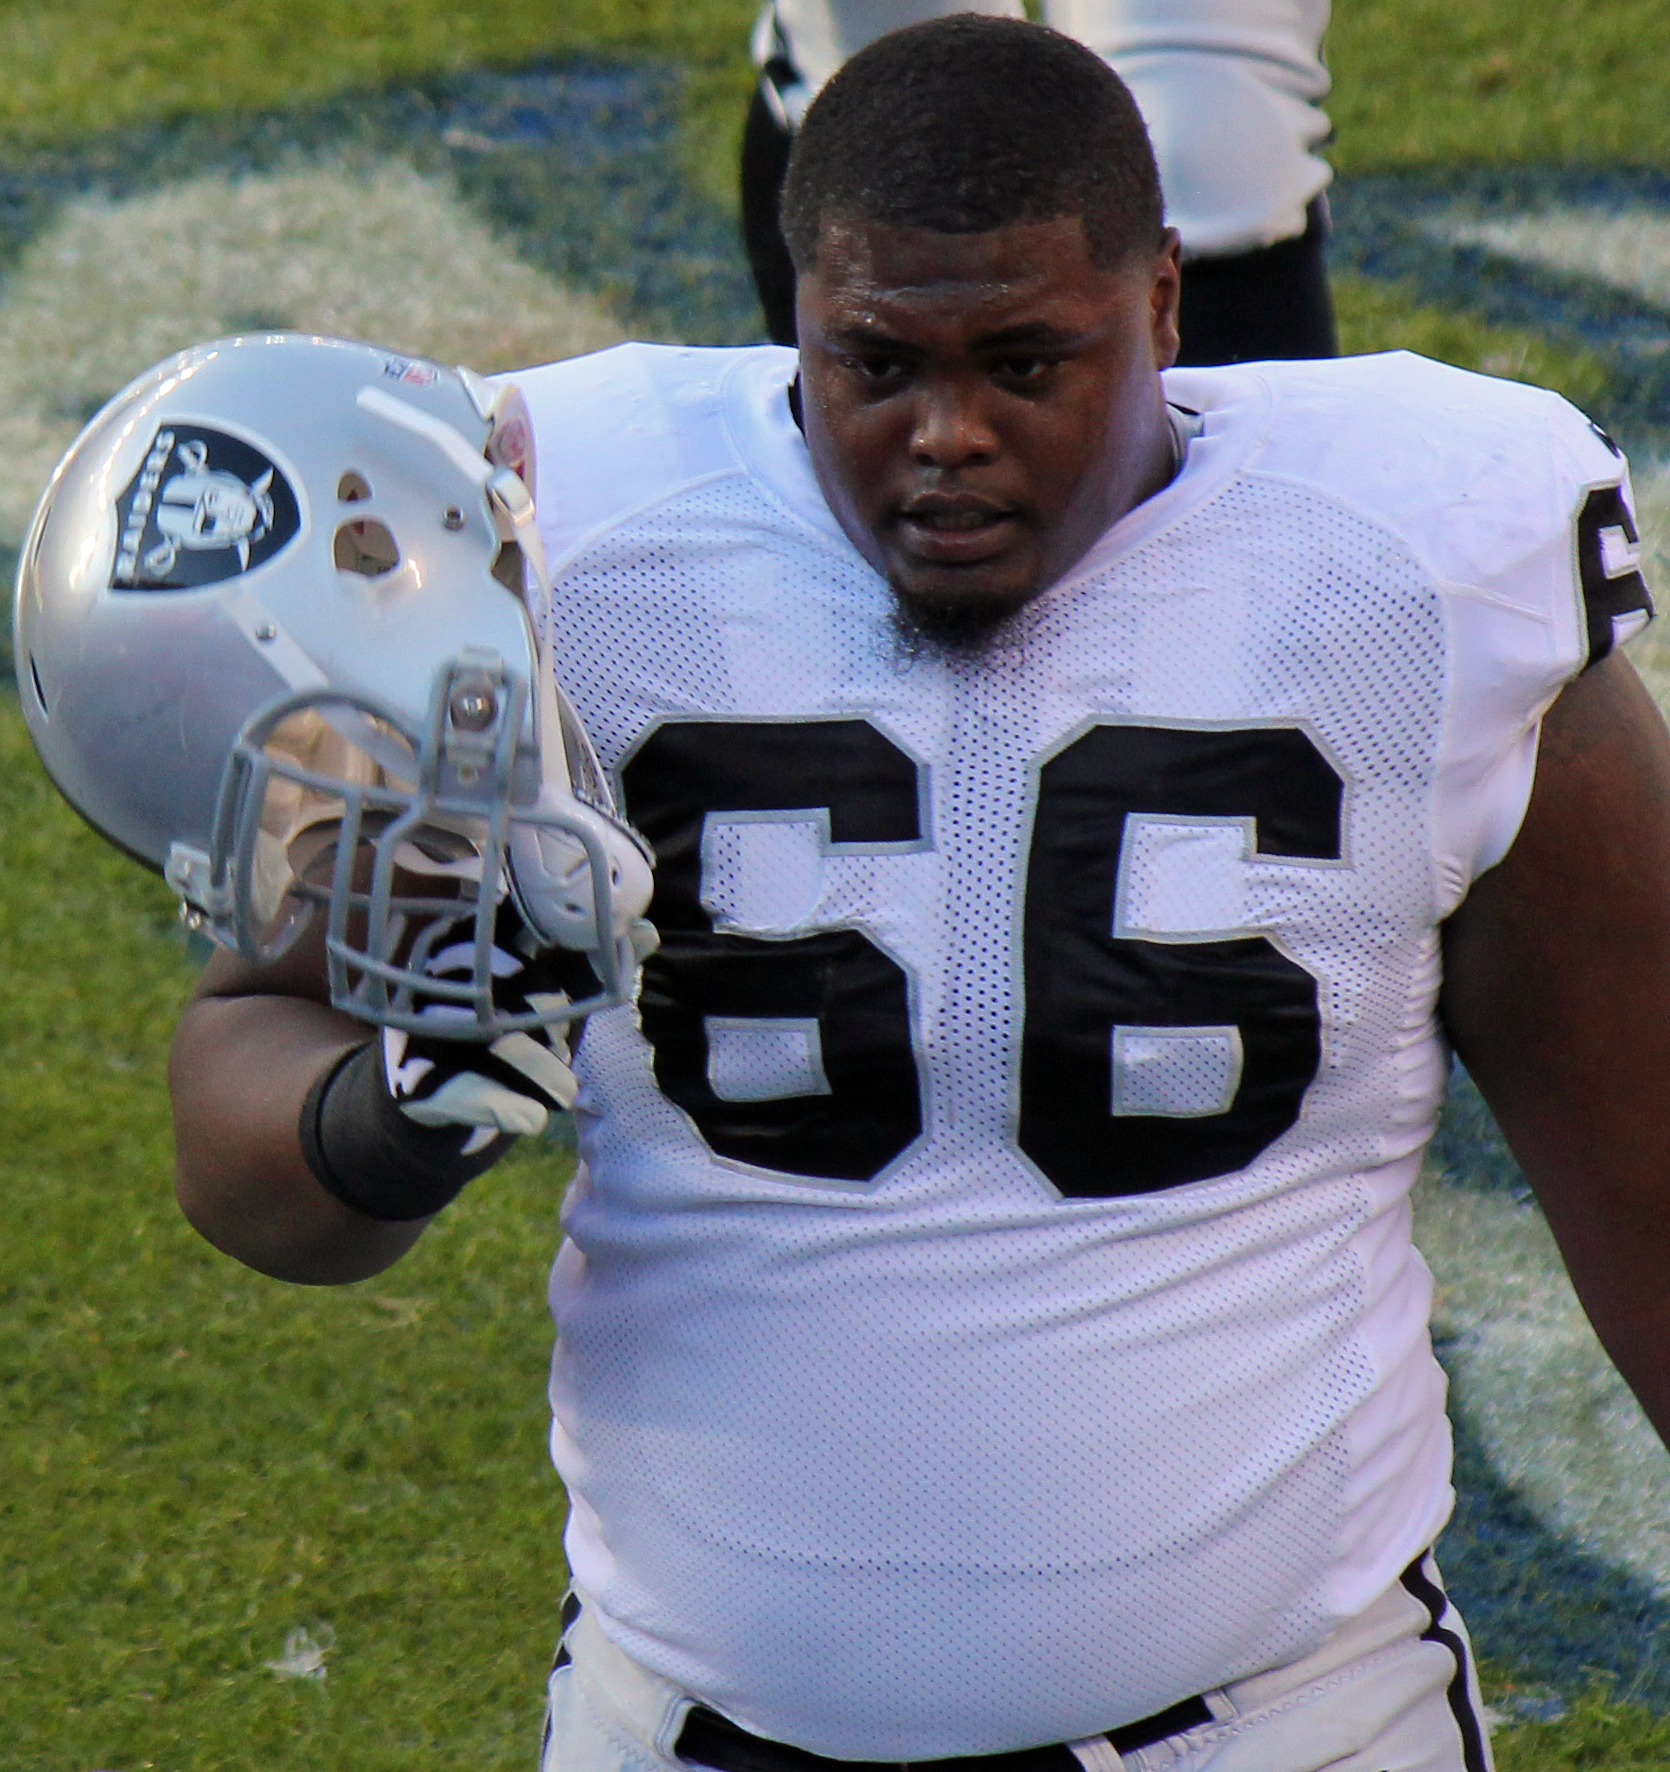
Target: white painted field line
<point>371,250</point>
<point>1628,248</point>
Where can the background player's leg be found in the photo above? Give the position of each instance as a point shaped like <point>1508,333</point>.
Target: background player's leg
<point>1231,92</point>
<point>797,45</point>
<point>1271,302</point>
<point>765,160</point>
<point>815,36</point>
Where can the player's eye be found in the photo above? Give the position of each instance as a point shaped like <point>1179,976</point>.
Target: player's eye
<point>1024,369</point>
<point>877,369</point>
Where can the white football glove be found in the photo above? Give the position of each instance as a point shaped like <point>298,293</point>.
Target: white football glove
<point>512,1085</point>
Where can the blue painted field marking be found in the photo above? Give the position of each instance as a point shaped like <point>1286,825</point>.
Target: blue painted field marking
<point>576,163</point>
<point>1394,226</point>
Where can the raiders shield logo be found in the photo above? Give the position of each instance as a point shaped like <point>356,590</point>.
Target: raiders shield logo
<point>204,506</point>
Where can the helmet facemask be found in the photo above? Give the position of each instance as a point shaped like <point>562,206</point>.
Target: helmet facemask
<point>410,844</point>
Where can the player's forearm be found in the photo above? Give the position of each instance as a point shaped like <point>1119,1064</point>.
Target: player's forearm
<point>1600,1168</point>
<point>240,1070</point>
<point>1616,1247</point>
<point>1557,982</point>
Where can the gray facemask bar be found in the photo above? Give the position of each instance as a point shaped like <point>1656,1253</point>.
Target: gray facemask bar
<point>468,776</point>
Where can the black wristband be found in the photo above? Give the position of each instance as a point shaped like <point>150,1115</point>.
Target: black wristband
<point>362,1149</point>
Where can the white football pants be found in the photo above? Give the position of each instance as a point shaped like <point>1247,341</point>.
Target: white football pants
<point>1230,90</point>
<point>1392,1690</point>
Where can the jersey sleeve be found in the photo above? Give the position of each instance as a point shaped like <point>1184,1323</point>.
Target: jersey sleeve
<point>1556,585</point>
<point>1520,511</point>
<point>622,429</point>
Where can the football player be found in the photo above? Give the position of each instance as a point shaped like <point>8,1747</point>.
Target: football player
<point>1090,799</point>
<point>1231,91</point>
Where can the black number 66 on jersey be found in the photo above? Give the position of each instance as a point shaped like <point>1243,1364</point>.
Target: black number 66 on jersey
<point>1084,978</point>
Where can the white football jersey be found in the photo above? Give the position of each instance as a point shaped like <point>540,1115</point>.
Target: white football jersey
<point>988,1313</point>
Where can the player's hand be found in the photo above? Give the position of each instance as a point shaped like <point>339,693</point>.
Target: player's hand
<point>510,1085</point>
<point>402,1124</point>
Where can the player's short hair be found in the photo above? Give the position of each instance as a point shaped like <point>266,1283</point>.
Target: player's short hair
<point>969,123</point>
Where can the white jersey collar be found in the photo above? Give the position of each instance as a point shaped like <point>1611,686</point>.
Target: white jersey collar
<point>1227,414</point>
<point>768,441</point>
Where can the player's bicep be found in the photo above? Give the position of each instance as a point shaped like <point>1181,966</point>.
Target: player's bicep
<point>1557,965</point>
<point>254,1034</point>
<point>1557,994</point>
<point>298,972</point>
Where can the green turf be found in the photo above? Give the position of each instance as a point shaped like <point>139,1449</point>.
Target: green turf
<point>1384,317</point>
<point>194,1460</point>
<point>79,66</point>
<point>1424,81</point>
<point>76,66</point>
<point>1597,1734</point>
<point>1416,81</point>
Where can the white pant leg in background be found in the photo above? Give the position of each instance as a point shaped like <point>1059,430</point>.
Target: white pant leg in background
<point>1231,93</point>
<point>1230,90</point>
<point>816,36</point>
<point>1392,1690</point>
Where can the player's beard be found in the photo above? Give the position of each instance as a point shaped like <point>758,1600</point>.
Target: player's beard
<point>958,626</point>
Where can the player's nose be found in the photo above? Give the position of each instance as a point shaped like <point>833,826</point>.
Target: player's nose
<point>951,428</point>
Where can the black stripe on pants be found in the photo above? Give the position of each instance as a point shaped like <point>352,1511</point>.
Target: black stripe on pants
<point>1427,1591</point>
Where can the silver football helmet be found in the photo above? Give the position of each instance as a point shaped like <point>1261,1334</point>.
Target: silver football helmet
<point>276,637</point>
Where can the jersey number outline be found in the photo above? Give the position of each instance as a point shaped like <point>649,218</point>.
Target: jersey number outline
<point>1609,590</point>
<point>1083,978</point>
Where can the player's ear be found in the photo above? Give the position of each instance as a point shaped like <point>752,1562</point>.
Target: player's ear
<point>1163,300</point>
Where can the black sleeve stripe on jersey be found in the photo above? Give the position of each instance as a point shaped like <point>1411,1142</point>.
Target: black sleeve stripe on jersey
<point>1607,596</point>
<point>1606,439</point>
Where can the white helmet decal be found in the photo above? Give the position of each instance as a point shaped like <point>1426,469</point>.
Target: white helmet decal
<point>223,509</point>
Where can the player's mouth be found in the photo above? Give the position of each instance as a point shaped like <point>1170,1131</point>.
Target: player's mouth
<point>954,528</point>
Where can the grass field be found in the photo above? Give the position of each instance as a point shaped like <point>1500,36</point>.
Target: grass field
<point>204,1474</point>
<point>195,1461</point>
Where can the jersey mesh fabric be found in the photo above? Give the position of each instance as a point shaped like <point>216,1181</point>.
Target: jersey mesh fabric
<point>943,1462</point>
